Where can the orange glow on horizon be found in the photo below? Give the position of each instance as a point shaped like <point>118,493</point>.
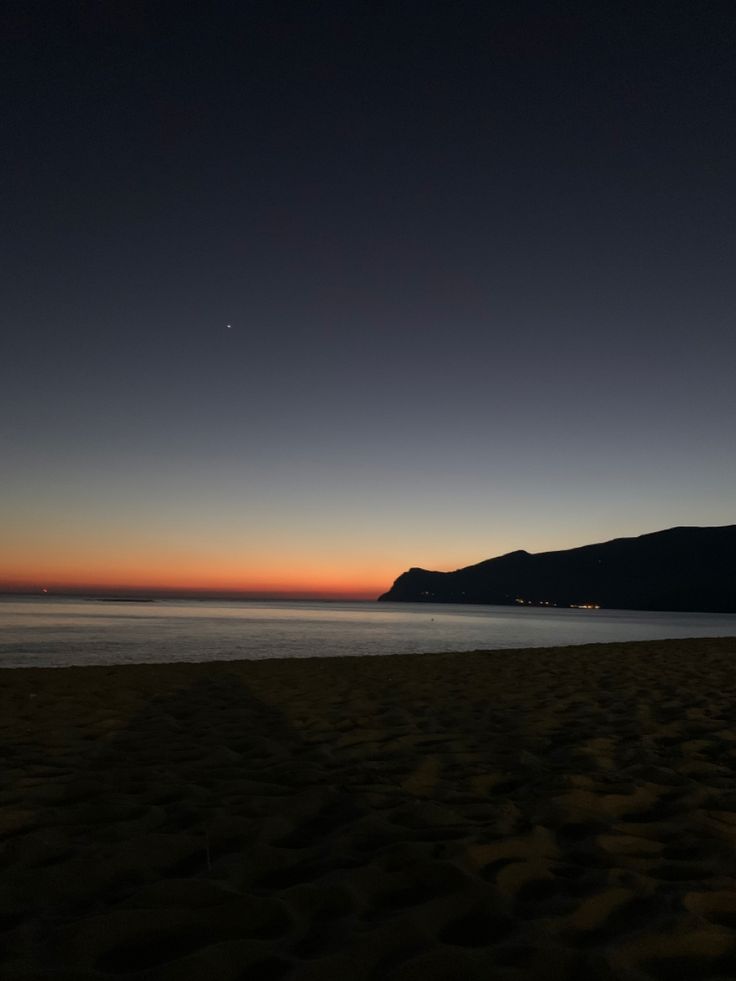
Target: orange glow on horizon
<point>315,582</point>
<point>11,587</point>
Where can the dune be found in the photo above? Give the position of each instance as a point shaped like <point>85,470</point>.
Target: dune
<point>543,814</point>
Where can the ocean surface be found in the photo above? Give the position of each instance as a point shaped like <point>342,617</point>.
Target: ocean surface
<point>57,632</point>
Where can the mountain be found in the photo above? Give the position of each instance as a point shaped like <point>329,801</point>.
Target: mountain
<point>685,569</point>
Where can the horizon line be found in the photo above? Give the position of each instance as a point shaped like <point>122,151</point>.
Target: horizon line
<point>148,593</point>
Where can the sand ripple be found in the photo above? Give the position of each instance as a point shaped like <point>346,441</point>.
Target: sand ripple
<point>557,813</point>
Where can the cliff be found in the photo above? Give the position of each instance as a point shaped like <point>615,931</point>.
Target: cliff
<point>680,569</point>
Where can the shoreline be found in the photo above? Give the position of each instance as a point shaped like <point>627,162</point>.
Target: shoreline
<point>556,813</point>
<point>223,662</point>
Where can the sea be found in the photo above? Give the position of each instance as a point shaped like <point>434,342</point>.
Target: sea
<point>53,632</point>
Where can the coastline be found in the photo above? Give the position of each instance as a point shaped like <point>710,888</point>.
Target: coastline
<point>541,813</point>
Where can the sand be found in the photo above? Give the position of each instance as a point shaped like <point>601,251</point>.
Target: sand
<point>557,813</point>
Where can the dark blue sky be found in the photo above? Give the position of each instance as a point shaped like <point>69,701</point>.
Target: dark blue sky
<point>477,259</point>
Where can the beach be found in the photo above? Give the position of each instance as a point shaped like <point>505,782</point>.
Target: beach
<point>556,813</point>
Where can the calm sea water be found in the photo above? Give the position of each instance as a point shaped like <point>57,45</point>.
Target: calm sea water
<point>54,632</point>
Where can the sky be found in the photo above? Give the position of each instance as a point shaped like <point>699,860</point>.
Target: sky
<point>296,296</point>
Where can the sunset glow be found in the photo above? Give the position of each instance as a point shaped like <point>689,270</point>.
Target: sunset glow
<point>306,583</point>
<point>263,333</point>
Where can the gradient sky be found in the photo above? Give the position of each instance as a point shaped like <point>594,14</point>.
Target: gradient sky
<point>477,259</point>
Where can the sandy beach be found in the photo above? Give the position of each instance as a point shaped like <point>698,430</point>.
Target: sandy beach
<point>546,814</point>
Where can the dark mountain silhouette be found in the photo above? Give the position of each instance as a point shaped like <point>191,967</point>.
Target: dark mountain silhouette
<point>686,569</point>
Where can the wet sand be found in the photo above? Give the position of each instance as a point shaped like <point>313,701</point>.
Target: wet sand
<point>545,814</point>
